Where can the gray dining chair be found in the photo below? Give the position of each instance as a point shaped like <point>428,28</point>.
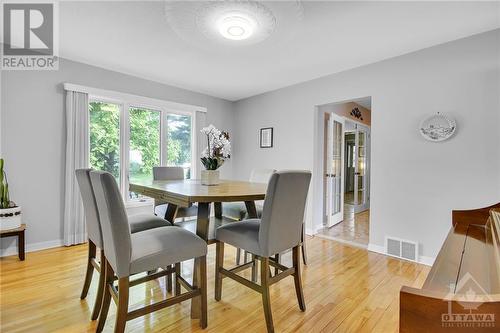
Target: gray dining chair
<point>160,208</point>
<point>238,210</point>
<point>137,223</point>
<point>128,254</point>
<point>279,229</point>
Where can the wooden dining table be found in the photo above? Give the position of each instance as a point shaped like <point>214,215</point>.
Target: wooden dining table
<point>184,193</point>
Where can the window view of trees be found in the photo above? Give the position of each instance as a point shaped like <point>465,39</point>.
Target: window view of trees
<point>179,142</point>
<point>145,141</point>
<point>104,128</point>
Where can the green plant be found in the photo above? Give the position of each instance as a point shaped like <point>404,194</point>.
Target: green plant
<point>4,187</point>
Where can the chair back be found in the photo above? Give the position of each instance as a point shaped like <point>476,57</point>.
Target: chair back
<point>168,173</point>
<point>89,206</point>
<point>114,222</point>
<point>261,175</point>
<point>283,212</point>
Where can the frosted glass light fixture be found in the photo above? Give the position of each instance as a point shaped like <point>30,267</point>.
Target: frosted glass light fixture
<point>236,26</point>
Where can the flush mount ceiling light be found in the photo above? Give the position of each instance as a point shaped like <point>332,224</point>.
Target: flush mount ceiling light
<point>211,24</point>
<point>247,22</point>
<point>236,26</point>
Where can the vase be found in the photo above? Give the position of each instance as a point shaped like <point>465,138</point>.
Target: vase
<point>10,218</point>
<point>210,177</point>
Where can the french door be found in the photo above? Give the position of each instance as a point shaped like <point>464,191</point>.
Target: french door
<point>361,168</point>
<point>335,170</point>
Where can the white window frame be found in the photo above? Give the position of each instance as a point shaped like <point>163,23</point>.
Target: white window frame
<point>125,102</point>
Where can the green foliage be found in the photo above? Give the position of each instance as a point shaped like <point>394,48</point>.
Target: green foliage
<point>179,140</point>
<point>212,163</point>
<point>105,137</point>
<point>145,138</point>
<point>4,187</point>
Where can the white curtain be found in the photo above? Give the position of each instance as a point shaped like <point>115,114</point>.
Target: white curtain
<point>200,119</point>
<point>77,156</point>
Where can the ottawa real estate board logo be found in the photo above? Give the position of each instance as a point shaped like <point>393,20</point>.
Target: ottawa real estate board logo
<point>469,313</point>
<point>30,35</point>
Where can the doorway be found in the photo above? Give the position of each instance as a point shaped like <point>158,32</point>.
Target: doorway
<point>346,184</point>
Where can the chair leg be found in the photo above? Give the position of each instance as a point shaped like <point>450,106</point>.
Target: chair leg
<point>100,288</point>
<point>254,267</point>
<point>90,270</point>
<point>297,278</point>
<point>245,256</point>
<point>219,263</point>
<point>122,306</point>
<point>168,279</point>
<point>303,245</point>
<point>177,283</point>
<point>106,298</point>
<point>277,258</point>
<point>203,296</point>
<point>238,256</point>
<point>266,302</point>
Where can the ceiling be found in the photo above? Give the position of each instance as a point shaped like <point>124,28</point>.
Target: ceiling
<point>365,102</point>
<point>317,39</point>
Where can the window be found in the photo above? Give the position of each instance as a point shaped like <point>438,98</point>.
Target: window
<point>128,140</point>
<point>144,146</point>
<point>104,131</point>
<point>179,142</point>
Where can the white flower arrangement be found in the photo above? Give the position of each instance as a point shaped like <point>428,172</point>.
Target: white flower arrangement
<point>218,148</point>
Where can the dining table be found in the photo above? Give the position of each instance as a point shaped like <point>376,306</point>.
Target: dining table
<point>185,193</point>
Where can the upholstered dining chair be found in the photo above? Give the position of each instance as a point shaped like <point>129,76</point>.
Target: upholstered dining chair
<point>137,223</point>
<point>128,254</point>
<point>279,229</point>
<point>171,173</point>
<point>238,210</point>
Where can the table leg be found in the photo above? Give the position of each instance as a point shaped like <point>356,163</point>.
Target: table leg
<point>20,245</point>
<point>202,224</point>
<point>171,212</point>
<point>251,210</point>
<point>218,209</point>
<point>252,214</point>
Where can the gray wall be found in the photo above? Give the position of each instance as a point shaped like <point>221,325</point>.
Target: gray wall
<point>33,135</point>
<point>415,183</point>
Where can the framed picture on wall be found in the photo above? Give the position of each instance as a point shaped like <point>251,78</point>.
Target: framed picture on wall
<point>266,137</point>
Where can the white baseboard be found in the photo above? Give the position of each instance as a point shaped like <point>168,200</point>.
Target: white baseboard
<point>425,260</point>
<point>376,248</point>
<point>343,241</point>
<point>12,249</point>
<point>429,261</point>
<point>310,232</point>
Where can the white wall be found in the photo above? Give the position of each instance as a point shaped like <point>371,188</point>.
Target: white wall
<point>33,136</point>
<point>415,183</point>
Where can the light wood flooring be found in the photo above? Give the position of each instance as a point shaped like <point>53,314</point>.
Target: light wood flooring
<point>346,289</point>
<point>355,228</point>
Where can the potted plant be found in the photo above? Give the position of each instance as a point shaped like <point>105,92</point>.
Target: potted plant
<point>10,214</point>
<point>218,150</point>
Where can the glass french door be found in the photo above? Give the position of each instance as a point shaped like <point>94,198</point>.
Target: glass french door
<point>335,170</point>
<point>361,174</point>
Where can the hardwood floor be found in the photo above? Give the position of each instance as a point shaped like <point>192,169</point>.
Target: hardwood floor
<point>355,228</point>
<point>346,289</point>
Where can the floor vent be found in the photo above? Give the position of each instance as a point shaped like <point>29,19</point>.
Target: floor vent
<point>401,248</point>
